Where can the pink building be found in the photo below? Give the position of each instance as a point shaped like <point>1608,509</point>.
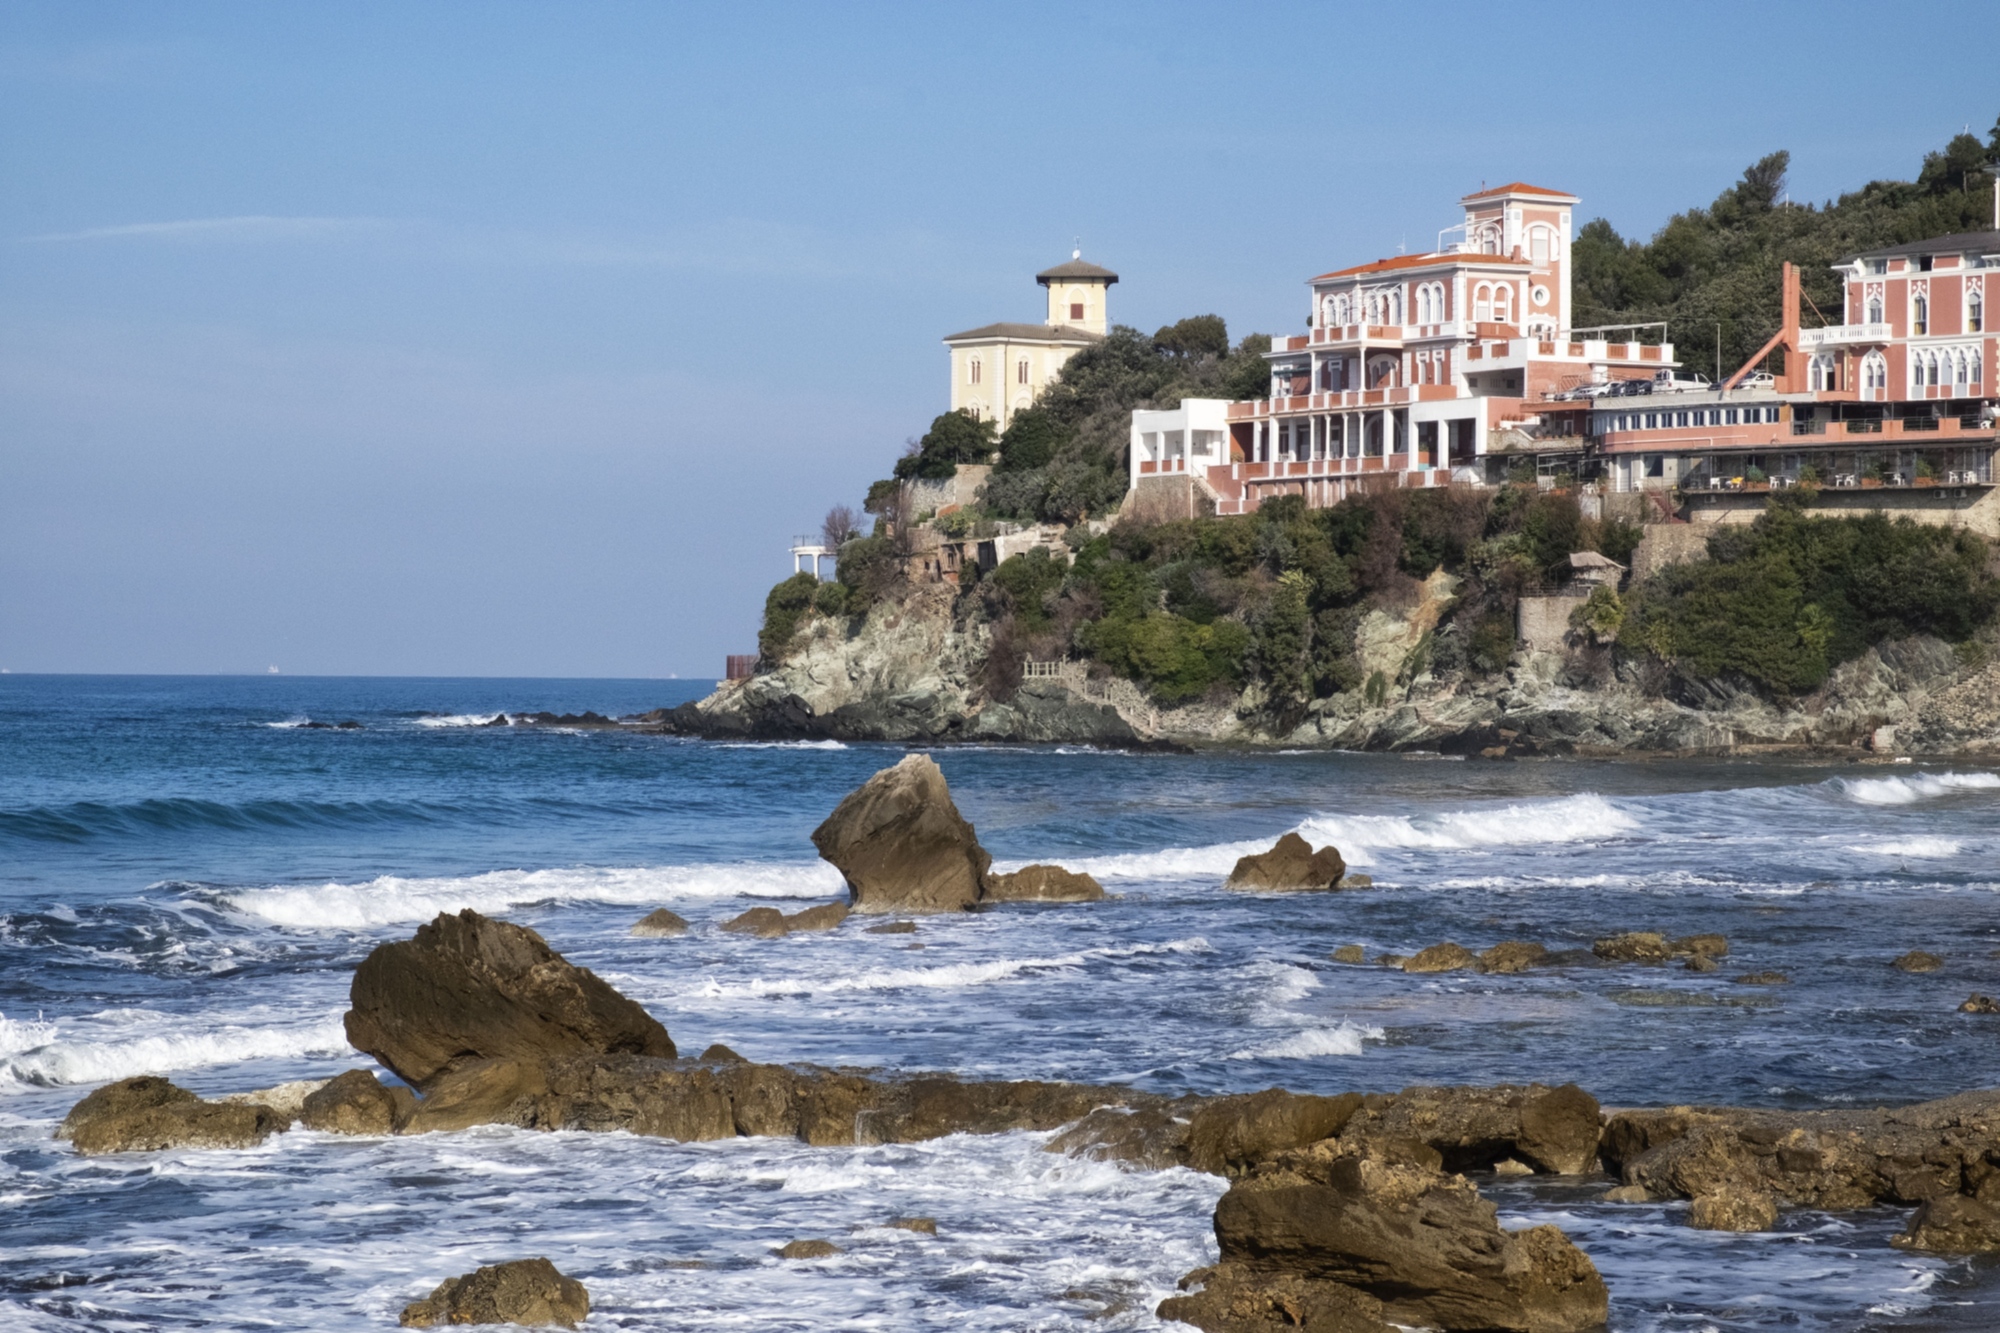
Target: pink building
<point>1421,368</point>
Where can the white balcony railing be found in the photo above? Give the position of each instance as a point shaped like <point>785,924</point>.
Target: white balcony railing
<point>1842,335</point>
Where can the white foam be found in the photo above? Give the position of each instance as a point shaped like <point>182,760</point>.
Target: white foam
<point>781,745</point>
<point>460,720</point>
<point>62,1062</point>
<point>24,1034</point>
<point>395,900</point>
<point>1583,818</point>
<point>1919,847</point>
<point>950,976</point>
<point>1917,787</point>
<point>1312,1043</point>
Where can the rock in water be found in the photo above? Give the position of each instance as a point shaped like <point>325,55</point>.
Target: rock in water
<point>1445,957</point>
<point>1423,1245</point>
<point>1511,956</point>
<point>529,1292</point>
<point>356,1103</point>
<point>1951,1224</point>
<point>902,845</point>
<point>1042,884</point>
<point>1979,1004</point>
<point>148,1114</point>
<point>768,923</point>
<point>1634,946</point>
<point>660,922</point>
<point>808,1249</point>
<point>467,989</point>
<point>1290,864</point>
<point>1916,960</point>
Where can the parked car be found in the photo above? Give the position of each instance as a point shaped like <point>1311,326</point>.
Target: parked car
<point>1630,388</point>
<point>1756,379</point>
<point>1668,382</point>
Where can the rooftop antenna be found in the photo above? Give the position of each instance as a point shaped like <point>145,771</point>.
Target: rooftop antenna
<point>1077,253</point>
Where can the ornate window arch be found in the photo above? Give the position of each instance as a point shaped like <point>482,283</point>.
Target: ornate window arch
<point>972,371</point>
<point>1975,307</point>
<point>1821,373</point>
<point>1482,302</point>
<point>1503,303</point>
<point>1920,313</point>
<point>1874,375</point>
<point>1874,305</point>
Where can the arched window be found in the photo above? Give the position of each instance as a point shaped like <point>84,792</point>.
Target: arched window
<point>1975,311</point>
<point>1020,372</point>
<point>1820,373</point>
<point>972,371</point>
<point>1503,304</point>
<point>1920,315</point>
<point>1482,302</point>
<point>1396,306</point>
<point>1875,309</point>
<point>1958,369</point>
<point>1874,375</point>
<point>1540,245</point>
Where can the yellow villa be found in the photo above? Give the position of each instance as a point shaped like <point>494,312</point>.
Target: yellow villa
<point>999,369</point>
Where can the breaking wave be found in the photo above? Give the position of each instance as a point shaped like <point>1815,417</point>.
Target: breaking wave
<point>1346,1039</point>
<point>950,976</point>
<point>1920,847</point>
<point>62,1062</point>
<point>1916,787</point>
<point>1587,817</point>
<point>82,821</point>
<point>394,900</point>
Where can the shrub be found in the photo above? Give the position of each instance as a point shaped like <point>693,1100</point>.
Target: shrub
<point>1176,658</point>
<point>954,437</point>
<point>784,608</point>
<point>1030,579</point>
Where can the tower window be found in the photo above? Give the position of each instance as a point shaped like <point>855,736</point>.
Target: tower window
<point>972,371</point>
<point>1020,372</point>
<point>1076,310</point>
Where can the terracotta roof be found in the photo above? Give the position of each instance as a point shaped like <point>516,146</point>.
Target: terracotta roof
<point>1517,187</point>
<point>1416,261</point>
<point>1026,333</point>
<point>1076,268</point>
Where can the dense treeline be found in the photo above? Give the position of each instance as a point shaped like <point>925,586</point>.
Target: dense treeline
<point>1717,268</point>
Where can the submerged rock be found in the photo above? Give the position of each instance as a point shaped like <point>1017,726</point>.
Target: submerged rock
<point>1440,958</point>
<point>1512,956</point>
<point>808,1249</point>
<point>1350,953</point>
<point>1979,1004</point>
<point>1763,979</point>
<point>1042,884</point>
<point>148,1114</point>
<point>1647,946</point>
<point>894,928</point>
<point>902,845</point>
<point>660,923</point>
<point>926,1226</point>
<point>467,988</point>
<point>1733,1210</point>
<point>768,923</point>
<point>1916,960</point>
<point>1291,864</point>
<point>528,1292</point>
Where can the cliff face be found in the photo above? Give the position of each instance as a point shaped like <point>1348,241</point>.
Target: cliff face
<point>909,671</point>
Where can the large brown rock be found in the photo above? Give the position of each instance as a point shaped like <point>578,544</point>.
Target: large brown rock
<point>1291,864</point>
<point>902,845</point>
<point>1511,956</point>
<point>1236,1298</point>
<point>149,1114</point>
<point>467,989</point>
<point>1952,1224</point>
<point>528,1292</point>
<point>1229,1135</point>
<point>1042,884</point>
<point>1554,1130</point>
<point>768,923</point>
<point>1422,1243</point>
<point>1446,957</point>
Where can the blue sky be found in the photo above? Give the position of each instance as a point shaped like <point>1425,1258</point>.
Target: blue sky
<point>512,339</point>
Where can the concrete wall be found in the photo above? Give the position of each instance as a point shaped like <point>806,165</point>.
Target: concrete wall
<point>1163,499</point>
<point>927,497</point>
<point>1541,623</point>
<point>1977,509</point>
<point>1669,544</point>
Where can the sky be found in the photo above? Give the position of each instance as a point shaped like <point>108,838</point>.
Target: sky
<point>516,339</point>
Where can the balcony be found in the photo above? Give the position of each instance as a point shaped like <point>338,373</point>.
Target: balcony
<point>1843,335</point>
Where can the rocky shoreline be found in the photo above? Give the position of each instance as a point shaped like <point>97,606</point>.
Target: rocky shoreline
<point>910,672</point>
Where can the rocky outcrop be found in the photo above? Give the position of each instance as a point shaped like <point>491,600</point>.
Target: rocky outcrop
<point>1042,884</point>
<point>807,1249</point>
<point>527,1292</point>
<point>1916,960</point>
<point>1446,957</point>
<point>1733,1209</point>
<point>357,1103</point>
<point>148,1114</point>
<point>768,923</point>
<point>469,989</point>
<point>659,924</point>
<point>1951,1224</point>
<point>1421,1245</point>
<point>1553,1130</point>
<point>1815,1159</point>
<point>1645,946</point>
<point>287,1099</point>
<point>902,845</point>
<point>1291,864</point>
<point>1511,956</point>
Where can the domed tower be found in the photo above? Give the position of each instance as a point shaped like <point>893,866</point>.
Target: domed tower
<point>1077,295</point>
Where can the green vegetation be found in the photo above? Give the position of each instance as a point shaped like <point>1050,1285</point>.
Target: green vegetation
<point>1064,458</point>
<point>954,438</point>
<point>1788,598</point>
<point>1719,266</point>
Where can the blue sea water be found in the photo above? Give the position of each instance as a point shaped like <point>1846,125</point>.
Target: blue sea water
<point>188,876</point>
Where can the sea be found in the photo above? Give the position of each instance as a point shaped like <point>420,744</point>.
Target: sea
<point>190,871</point>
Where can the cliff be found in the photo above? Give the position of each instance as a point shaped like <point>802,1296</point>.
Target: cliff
<point>915,668</point>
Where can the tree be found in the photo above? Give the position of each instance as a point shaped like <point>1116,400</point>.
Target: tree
<point>1195,336</point>
<point>841,525</point>
<point>954,437</point>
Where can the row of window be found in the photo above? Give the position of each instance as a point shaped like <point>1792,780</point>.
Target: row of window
<point>1491,302</point>
<point>1929,368</point>
<point>1920,311</point>
<point>1691,417</point>
<point>975,372</point>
